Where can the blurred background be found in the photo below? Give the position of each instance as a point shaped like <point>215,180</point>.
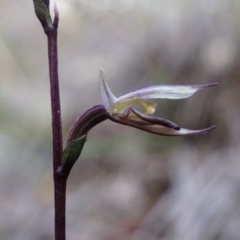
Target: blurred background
<point>127,184</point>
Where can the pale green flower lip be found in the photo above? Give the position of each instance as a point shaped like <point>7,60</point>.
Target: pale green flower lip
<point>145,121</point>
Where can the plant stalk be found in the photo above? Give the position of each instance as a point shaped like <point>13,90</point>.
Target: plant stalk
<point>59,180</point>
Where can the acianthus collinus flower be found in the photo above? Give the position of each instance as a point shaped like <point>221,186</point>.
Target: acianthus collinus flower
<point>121,110</point>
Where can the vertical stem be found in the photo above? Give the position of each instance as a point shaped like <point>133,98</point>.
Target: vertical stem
<point>59,181</point>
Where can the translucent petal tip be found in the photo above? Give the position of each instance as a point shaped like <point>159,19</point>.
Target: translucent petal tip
<point>106,94</point>
<point>101,73</point>
<point>207,130</point>
<point>205,85</point>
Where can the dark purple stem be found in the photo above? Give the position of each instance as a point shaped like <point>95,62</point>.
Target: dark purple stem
<point>59,181</point>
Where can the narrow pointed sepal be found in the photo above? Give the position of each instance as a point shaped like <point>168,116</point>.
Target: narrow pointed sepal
<point>165,131</point>
<point>165,91</point>
<point>106,94</point>
<point>71,154</point>
<point>158,128</point>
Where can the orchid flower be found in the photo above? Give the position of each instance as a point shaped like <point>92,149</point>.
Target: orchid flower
<point>121,110</point>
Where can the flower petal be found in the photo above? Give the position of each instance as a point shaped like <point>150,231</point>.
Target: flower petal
<point>165,131</point>
<point>158,129</point>
<point>165,91</point>
<point>106,94</point>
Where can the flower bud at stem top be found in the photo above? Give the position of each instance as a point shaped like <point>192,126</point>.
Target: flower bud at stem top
<point>42,12</point>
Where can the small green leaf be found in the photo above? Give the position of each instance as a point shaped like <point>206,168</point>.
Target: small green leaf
<point>70,155</point>
<point>43,15</point>
<point>46,2</point>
